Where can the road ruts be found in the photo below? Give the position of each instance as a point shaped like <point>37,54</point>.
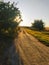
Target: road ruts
<point>31,51</point>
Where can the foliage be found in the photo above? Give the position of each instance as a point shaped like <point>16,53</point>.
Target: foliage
<point>38,25</point>
<point>8,27</point>
<point>41,36</point>
<point>8,12</point>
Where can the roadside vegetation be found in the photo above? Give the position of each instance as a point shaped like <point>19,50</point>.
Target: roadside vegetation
<point>42,36</point>
<point>10,18</point>
<point>39,31</point>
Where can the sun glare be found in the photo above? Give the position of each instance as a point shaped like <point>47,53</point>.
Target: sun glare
<point>25,21</point>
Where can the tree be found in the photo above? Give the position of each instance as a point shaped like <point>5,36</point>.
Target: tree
<point>8,12</point>
<point>8,29</point>
<point>38,25</point>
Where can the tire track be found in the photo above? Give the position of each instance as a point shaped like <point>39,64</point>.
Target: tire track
<point>31,50</point>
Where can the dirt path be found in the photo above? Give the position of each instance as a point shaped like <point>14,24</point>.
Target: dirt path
<point>31,51</point>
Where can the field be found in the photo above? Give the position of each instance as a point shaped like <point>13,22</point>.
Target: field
<point>42,36</point>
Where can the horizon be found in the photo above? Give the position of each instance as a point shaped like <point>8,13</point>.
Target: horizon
<point>32,10</point>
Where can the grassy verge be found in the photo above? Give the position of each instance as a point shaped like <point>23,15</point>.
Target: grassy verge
<point>41,36</point>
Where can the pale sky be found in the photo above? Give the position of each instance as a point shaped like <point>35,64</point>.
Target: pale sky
<point>33,9</point>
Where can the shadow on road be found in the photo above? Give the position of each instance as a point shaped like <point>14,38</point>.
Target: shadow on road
<point>8,53</point>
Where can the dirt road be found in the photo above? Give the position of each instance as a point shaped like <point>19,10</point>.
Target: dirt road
<point>31,51</point>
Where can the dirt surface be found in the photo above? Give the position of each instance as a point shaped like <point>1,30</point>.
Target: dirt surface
<point>31,51</point>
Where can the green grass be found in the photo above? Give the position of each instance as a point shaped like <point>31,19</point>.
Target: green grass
<point>42,36</point>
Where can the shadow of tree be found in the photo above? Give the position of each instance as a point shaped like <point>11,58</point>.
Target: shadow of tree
<point>8,53</point>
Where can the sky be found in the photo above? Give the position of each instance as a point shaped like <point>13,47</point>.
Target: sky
<point>33,9</point>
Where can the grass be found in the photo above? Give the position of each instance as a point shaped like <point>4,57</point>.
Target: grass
<point>42,36</point>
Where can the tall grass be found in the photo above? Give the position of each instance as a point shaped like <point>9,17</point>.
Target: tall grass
<point>41,36</point>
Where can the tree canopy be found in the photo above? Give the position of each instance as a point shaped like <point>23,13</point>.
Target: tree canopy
<point>8,12</point>
<point>38,24</point>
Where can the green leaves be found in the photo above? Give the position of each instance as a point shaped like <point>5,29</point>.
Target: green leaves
<point>38,25</point>
<point>8,12</point>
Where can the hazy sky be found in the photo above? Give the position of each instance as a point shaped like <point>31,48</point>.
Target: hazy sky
<point>33,9</point>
